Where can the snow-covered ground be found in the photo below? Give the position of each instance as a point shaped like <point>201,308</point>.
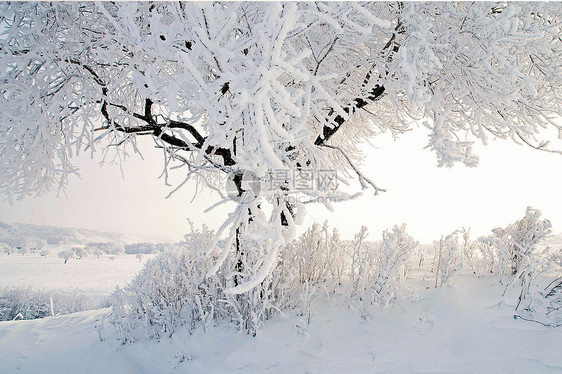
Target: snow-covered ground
<point>465,328</point>
<point>96,276</point>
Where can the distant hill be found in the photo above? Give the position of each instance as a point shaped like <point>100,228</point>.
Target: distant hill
<point>60,235</point>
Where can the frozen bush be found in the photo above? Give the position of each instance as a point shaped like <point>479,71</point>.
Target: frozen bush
<point>28,303</point>
<point>23,303</point>
<point>540,298</point>
<point>318,255</point>
<point>518,242</point>
<point>449,258</point>
<point>537,302</point>
<point>361,260</point>
<point>470,252</point>
<point>174,290</point>
<point>381,274</point>
<point>395,249</point>
<point>488,255</point>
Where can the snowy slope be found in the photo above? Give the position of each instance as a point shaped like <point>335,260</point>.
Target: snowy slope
<point>464,329</point>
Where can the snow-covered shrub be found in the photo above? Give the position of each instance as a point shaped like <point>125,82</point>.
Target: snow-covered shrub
<point>318,255</point>
<point>448,258</point>
<point>169,292</point>
<point>23,303</point>
<point>381,274</point>
<point>396,248</point>
<point>538,302</point>
<point>488,255</point>
<point>423,254</point>
<point>470,252</point>
<point>531,267</point>
<point>174,290</point>
<point>28,303</point>
<point>517,242</point>
<point>540,298</point>
<point>361,261</point>
<point>337,258</point>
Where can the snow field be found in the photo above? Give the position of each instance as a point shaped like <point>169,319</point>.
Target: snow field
<point>96,276</point>
<point>465,328</point>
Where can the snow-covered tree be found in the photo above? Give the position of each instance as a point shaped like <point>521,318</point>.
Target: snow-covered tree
<point>378,270</point>
<point>80,252</point>
<point>448,256</point>
<point>222,88</point>
<point>518,242</point>
<point>67,255</point>
<point>395,249</point>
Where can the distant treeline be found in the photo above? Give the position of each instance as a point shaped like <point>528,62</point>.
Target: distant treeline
<point>146,248</point>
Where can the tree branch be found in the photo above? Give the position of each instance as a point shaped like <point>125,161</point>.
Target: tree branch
<point>363,180</point>
<point>540,147</point>
<point>186,126</point>
<point>376,93</point>
<point>152,127</point>
<point>335,124</point>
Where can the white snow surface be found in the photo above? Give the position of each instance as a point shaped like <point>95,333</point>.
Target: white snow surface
<point>464,328</point>
<point>98,277</point>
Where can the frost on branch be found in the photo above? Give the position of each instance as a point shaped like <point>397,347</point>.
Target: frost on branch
<point>225,87</point>
<point>518,242</point>
<point>448,258</point>
<point>381,271</point>
<point>480,70</point>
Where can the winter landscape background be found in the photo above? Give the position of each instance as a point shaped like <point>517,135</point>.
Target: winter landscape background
<point>280,187</point>
<point>467,326</point>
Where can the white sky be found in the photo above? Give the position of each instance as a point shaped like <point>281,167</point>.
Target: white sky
<point>431,201</point>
